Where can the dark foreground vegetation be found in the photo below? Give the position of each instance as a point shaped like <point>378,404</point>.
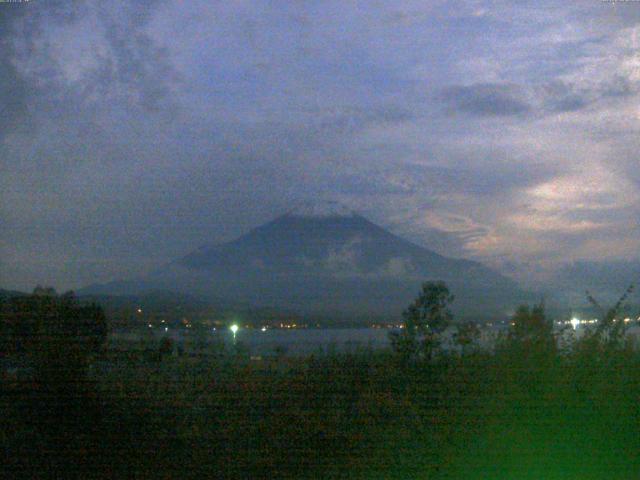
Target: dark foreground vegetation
<point>534,407</point>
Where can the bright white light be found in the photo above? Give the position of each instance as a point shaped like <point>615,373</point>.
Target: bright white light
<point>575,322</point>
<point>150,325</point>
<point>234,328</point>
<point>264,329</point>
<point>166,329</point>
<point>139,310</point>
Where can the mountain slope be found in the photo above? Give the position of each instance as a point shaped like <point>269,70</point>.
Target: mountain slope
<point>328,263</point>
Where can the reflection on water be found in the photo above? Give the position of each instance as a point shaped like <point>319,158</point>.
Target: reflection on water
<point>305,341</point>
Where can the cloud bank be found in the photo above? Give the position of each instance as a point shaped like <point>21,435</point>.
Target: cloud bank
<point>133,132</point>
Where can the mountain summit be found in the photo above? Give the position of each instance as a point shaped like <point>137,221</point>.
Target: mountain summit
<point>322,209</point>
<point>325,259</point>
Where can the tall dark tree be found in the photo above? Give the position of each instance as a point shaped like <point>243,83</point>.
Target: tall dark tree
<point>424,320</point>
<point>531,331</point>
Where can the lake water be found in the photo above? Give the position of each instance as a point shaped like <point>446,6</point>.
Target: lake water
<point>306,341</point>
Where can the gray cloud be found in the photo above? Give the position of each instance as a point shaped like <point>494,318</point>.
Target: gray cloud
<point>560,97</point>
<point>13,89</point>
<point>351,119</point>
<point>486,99</point>
<point>14,94</point>
<point>619,87</point>
<point>133,132</point>
<point>605,280</point>
<point>552,97</point>
<point>135,61</point>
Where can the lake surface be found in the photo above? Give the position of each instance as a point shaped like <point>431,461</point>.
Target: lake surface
<point>307,341</point>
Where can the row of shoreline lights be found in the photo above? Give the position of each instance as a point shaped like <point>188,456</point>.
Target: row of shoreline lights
<point>234,328</point>
<point>575,322</point>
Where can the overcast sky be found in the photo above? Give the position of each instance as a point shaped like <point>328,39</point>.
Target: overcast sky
<point>133,132</point>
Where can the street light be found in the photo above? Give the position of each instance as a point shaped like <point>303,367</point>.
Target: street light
<point>234,329</point>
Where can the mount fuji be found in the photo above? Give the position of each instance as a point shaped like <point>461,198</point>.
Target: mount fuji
<point>324,259</point>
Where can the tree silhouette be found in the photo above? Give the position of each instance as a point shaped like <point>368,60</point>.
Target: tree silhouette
<point>424,320</point>
<point>531,332</point>
<point>467,335</point>
<point>611,327</point>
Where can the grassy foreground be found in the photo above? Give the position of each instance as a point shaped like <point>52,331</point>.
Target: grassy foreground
<point>503,415</point>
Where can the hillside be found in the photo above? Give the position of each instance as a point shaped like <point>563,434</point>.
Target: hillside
<point>330,262</point>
